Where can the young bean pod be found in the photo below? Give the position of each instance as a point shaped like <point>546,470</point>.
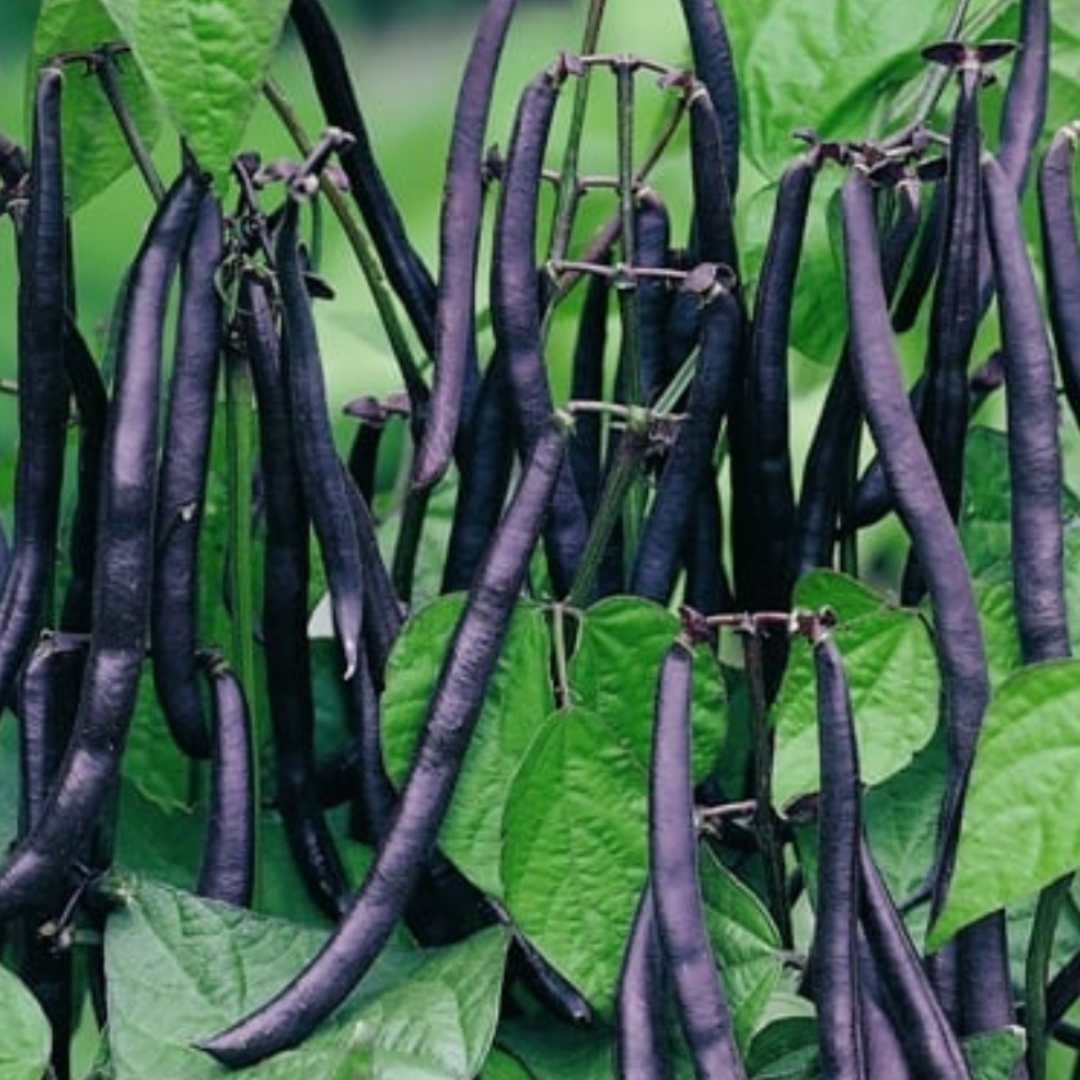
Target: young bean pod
<point>955,308</point>
<point>762,490</point>
<point>834,951</point>
<point>451,718</point>
<point>689,461</point>
<point>286,570</point>
<point>1061,256</point>
<point>182,478</point>
<point>1035,468</point>
<point>91,408</point>
<point>321,476</point>
<point>459,241</point>
<point>45,710</point>
<point>714,65</point>
<point>227,871</point>
<point>929,1041</point>
<point>703,1009</point>
<point>515,309</point>
<point>921,506</point>
<point>640,1053</point>
<point>486,464</point>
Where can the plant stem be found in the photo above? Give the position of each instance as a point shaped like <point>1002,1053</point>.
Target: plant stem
<point>105,67</point>
<point>361,246</point>
<point>566,199</point>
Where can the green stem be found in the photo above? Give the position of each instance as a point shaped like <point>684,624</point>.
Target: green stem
<point>566,199</point>
<point>620,480</point>
<point>1037,970</point>
<point>368,261</point>
<point>105,67</point>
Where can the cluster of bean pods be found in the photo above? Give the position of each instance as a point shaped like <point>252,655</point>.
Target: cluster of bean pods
<point>620,487</point>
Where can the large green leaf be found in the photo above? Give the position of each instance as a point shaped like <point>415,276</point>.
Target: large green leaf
<point>95,152</point>
<point>206,63</point>
<point>24,1049</point>
<point>575,853</point>
<point>517,700</point>
<point>1019,831</point>
<point>893,681</point>
<point>179,968</point>
<point>576,826</point>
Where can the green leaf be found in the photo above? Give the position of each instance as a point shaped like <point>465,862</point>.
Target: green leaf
<point>901,817</point>
<point>985,530</point>
<point>833,67</point>
<point>575,853</point>
<point>501,1066</point>
<point>95,152</point>
<point>518,698</point>
<point>429,1014</point>
<point>787,1049</point>
<point>1018,832</point>
<point>24,1049</point>
<point>622,641</point>
<point>893,681</point>
<point>562,1053</point>
<point>746,942</point>
<point>206,63</point>
<point>846,596</point>
<point>993,1055</point>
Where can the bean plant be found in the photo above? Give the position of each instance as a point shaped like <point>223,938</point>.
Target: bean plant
<point>671,676</point>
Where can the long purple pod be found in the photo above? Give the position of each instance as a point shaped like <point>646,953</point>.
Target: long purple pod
<point>714,237</point>
<point>423,801</point>
<point>828,460</point>
<point>91,399</point>
<point>640,1051</point>
<point>1061,256</point>
<point>689,460</point>
<point>1035,468</point>
<point>459,242</point>
<point>958,631</point>
<point>929,1040</point>
<point>834,950</point>
<point>1023,112</point>
<point>182,479</point>
<point>322,479</point>
<point>587,384</point>
<point>696,984</point>
<point>405,270</point>
<point>516,309</point>
<point>227,870</point>
<point>43,391</point>
<point>763,497</point>
<point>955,308</point>
<point>487,462</point>
<point>286,578</point>
<point>714,65</point>
<point>45,712</point>
<point>121,572</point>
